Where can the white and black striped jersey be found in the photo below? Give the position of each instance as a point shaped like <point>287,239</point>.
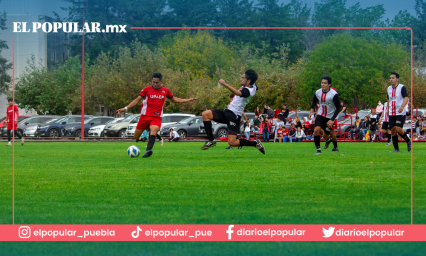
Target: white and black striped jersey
<point>329,103</point>
<point>385,112</point>
<point>373,118</point>
<point>239,103</point>
<point>396,98</point>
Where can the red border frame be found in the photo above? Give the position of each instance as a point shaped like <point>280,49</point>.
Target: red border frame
<point>212,28</point>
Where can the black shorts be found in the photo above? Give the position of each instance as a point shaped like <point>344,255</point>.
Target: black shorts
<point>321,121</point>
<point>385,125</point>
<point>373,128</point>
<point>396,121</point>
<point>227,117</point>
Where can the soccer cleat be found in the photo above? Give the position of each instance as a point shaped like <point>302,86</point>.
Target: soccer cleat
<point>327,142</point>
<point>162,141</point>
<point>9,144</point>
<point>209,144</point>
<point>318,152</point>
<point>388,144</point>
<point>230,147</point>
<point>395,151</point>
<point>260,147</point>
<point>240,147</point>
<point>409,145</point>
<point>335,149</point>
<point>22,141</point>
<point>147,153</point>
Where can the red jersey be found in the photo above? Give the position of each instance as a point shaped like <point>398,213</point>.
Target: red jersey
<point>154,99</point>
<point>280,132</point>
<point>10,117</point>
<point>285,132</point>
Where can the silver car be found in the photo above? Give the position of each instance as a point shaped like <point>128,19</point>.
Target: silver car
<point>28,127</point>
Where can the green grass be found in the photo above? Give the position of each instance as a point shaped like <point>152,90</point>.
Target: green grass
<point>97,183</point>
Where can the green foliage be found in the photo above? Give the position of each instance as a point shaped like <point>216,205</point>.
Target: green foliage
<point>199,52</point>
<point>359,68</point>
<point>53,91</point>
<point>5,78</point>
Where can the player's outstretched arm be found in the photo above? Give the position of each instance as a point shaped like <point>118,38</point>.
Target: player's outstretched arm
<point>179,100</point>
<point>232,89</point>
<point>131,105</point>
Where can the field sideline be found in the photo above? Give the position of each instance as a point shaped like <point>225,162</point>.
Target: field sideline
<point>97,183</point>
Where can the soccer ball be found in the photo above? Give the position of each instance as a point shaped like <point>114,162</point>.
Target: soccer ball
<point>133,151</point>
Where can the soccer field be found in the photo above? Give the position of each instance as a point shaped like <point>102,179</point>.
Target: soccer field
<point>97,183</point>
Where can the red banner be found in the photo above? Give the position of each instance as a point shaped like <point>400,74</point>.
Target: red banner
<point>213,233</point>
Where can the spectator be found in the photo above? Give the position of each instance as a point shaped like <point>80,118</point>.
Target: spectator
<point>365,125</point>
<point>415,126</point>
<point>265,109</point>
<point>265,129</point>
<point>292,133</point>
<point>271,113</point>
<point>297,122</point>
<point>280,133</point>
<point>279,122</point>
<point>357,128</point>
<point>423,129</point>
<point>257,111</point>
<point>343,107</point>
<point>286,132</point>
<point>299,134</point>
<point>305,125</point>
<point>247,129</point>
<point>174,136</point>
<point>284,113</point>
<point>379,108</point>
<point>256,123</point>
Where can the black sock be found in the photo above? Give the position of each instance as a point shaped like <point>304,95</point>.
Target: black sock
<point>158,136</point>
<point>19,135</point>
<point>335,144</point>
<point>9,136</point>
<point>317,140</point>
<point>389,137</point>
<point>405,137</point>
<point>151,141</point>
<point>209,130</point>
<point>395,142</point>
<point>247,143</point>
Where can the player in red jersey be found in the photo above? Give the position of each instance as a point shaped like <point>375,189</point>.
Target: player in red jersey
<point>152,109</point>
<point>12,116</point>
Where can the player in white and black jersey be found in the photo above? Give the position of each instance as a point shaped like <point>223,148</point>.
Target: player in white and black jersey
<point>373,125</point>
<point>385,125</point>
<point>329,108</point>
<point>232,114</point>
<point>398,98</point>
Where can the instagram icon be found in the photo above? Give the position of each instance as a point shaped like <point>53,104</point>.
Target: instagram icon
<point>24,232</point>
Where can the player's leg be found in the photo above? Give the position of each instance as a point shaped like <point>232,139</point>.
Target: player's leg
<point>9,137</point>
<point>20,137</point>
<point>317,138</point>
<point>138,133</point>
<point>401,132</point>
<point>209,115</point>
<point>233,130</point>
<point>151,140</point>
<point>334,139</point>
<point>394,133</point>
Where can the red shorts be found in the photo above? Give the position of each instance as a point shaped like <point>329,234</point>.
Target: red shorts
<point>12,126</point>
<point>146,121</point>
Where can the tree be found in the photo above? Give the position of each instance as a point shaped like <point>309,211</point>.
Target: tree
<point>193,13</point>
<point>419,29</point>
<point>359,69</point>
<point>54,91</point>
<point>5,78</point>
<point>199,52</point>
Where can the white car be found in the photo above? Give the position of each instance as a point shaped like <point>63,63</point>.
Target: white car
<point>166,120</point>
<point>98,131</point>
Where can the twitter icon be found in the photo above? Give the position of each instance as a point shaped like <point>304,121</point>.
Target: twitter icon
<point>329,232</point>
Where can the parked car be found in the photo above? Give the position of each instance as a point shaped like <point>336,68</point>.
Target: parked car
<point>221,130</point>
<point>167,119</point>
<point>55,129</point>
<point>32,121</point>
<point>3,130</point>
<point>28,127</point>
<point>188,127</point>
<point>98,130</point>
<point>74,129</point>
<point>119,129</point>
